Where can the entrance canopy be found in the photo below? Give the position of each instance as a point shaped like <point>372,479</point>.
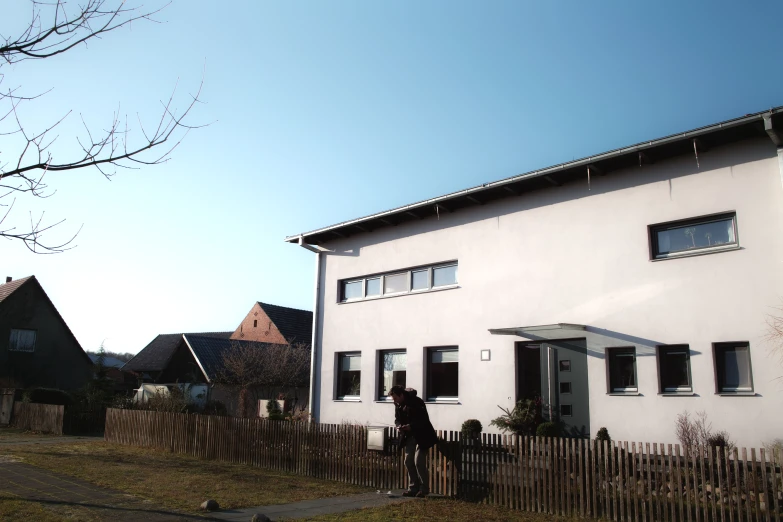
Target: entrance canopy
<point>546,331</point>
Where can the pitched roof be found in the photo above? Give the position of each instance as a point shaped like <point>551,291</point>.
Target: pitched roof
<point>209,351</point>
<point>7,289</point>
<point>295,325</point>
<point>108,362</point>
<point>767,123</point>
<point>156,355</point>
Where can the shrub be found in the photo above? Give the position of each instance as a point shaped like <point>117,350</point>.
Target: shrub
<point>214,407</point>
<point>548,429</point>
<point>603,435</point>
<point>522,420</point>
<point>47,396</point>
<point>720,439</point>
<point>471,429</point>
<point>698,432</point>
<point>273,407</point>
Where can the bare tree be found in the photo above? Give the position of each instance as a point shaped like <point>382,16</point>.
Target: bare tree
<point>774,334</point>
<point>264,371</point>
<point>27,156</point>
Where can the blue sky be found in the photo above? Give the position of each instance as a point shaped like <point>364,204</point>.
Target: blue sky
<point>326,111</point>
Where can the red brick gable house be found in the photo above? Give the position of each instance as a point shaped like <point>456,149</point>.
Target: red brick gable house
<point>268,323</point>
<point>36,346</point>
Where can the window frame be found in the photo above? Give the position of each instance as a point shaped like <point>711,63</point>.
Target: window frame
<point>428,375</point>
<point>380,396</point>
<point>339,356</point>
<point>35,340</point>
<point>661,351</point>
<point>570,388</point>
<point>621,351</point>
<point>652,236</point>
<point>571,414</point>
<point>429,269</point>
<point>716,347</point>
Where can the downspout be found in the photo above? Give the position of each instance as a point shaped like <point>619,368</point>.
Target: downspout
<point>314,338</point>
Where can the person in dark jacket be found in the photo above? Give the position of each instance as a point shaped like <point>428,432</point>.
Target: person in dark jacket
<point>416,435</point>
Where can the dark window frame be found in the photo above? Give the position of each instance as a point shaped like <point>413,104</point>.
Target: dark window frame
<point>652,236</point>
<point>430,268</point>
<point>35,340</point>
<point>570,388</point>
<point>560,365</point>
<point>339,356</point>
<point>661,352</point>
<point>428,374</point>
<point>719,390</point>
<point>621,351</point>
<point>380,396</point>
<point>571,406</point>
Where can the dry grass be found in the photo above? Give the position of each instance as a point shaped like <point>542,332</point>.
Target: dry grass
<point>436,510</point>
<point>7,434</point>
<point>175,481</point>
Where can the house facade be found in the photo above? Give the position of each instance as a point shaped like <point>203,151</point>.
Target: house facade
<point>620,290</point>
<point>37,349</point>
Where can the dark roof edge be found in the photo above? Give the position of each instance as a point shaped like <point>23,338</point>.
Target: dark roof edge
<point>645,145</point>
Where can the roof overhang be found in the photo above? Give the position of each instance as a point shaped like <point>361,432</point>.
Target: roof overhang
<point>540,331</point>
<point>768,123</point>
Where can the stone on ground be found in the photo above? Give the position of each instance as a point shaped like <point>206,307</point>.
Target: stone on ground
<point>210,505</point>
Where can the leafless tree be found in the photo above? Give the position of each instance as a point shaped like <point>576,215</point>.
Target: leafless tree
<point>774,334</point>
<point>264,371</point>
<point>26,155</point>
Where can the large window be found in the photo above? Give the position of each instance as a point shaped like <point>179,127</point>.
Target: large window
<point>674,369</point>
<point>732,368</point>
<point>694,236</point>
<point>349,375</point>
<point>443,373</point>
<point>419,279</point>
<point>392,367</point>
<point>621,365</point>
<point>22,341</point>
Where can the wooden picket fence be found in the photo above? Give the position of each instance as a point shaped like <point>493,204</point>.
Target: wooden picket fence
<point>47,418</point>
<point>637,482</point>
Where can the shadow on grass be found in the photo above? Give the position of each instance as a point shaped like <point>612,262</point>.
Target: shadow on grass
<point>142,513</point>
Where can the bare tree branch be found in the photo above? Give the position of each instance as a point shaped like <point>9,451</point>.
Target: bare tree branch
<point>55,28</point>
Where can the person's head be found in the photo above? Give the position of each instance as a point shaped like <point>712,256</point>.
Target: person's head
<point>397,393</point>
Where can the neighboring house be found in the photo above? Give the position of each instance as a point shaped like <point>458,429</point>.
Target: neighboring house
<point>37,349</point>
<point>123,381</point>
<point>622,289</point>
<point>197,358</point>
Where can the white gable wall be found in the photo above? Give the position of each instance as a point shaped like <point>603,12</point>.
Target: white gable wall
<point>571,255</point>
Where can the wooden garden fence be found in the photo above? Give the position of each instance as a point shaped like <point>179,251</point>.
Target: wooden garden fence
<point>46,418</point>
<point>625,481</point>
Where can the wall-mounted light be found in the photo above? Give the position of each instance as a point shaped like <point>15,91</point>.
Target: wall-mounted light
<point>485,355</point>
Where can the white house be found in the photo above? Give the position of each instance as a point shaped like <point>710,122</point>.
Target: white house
<point>623,289</point>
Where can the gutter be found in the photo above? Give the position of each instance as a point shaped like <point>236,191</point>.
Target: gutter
<point>583,162</point>
<point>314,338</point>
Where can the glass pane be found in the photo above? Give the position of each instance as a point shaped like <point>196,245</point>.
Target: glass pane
<point>444,275</point>
<point>565,365</point>
<point>674,371</point>
<point>445,356</point>
<point>691,237</point>
<point>566,410</point>
<point>22,340</point>
<point>373,287</point>
<point>736,369</point>
<point>443,380</point>
<point>565,387</point>
<point>395,283</point>
<point>420,280</point>
<point>352,290</point>
<point>393,370</point>
<point>349,376</point>
<point>621,371</point>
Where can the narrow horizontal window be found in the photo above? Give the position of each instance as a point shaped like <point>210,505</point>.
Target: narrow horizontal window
<point>414,280</point>
<point>732,368</point>
<point>695,236</point>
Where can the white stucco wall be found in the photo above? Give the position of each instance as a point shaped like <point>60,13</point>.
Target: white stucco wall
<point>571,255</point>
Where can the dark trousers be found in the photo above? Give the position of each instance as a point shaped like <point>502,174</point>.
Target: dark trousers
<point>416,464</point>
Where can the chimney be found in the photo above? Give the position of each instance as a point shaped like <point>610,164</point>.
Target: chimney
<point>8,279</point>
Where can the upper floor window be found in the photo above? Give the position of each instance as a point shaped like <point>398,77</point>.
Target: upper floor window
<point>349,375</point>
<point>22,341</point>
<point>621,365</point>
<point>393,366</point>
<point>414,280</point>
<point>694,236</point>
<point>674,369</point>
<point>732,367</point>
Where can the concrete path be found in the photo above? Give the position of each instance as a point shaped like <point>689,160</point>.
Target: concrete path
<point>20,481</point>
<point>312,508</point>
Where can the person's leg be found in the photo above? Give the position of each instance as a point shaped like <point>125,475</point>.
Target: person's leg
<point>410,464</point>
<point>421,469</point>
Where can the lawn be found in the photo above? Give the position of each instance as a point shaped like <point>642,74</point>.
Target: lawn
<point>175,481</point>
<point>436,510</point>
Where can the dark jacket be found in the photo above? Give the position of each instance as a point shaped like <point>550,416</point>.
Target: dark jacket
<point>414,413</point>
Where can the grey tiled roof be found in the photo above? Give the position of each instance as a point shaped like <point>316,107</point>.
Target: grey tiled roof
<point>156,355</point>
<point>295,325</point>
<point>209,351</point>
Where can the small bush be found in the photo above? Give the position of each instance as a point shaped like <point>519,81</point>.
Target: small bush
<point>471,429</point>
<point>522,420</point>
<point>548,429</point>
<point>720,439</point>
<point>276,416</point>
<point>214,408</point>
<point>272,407</point>
<point>603,435</point>
<point>47,396</point>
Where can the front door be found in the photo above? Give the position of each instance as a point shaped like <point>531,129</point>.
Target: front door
<point>556,371</point>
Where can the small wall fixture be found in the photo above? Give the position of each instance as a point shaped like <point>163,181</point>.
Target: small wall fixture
<point>485,355</point>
